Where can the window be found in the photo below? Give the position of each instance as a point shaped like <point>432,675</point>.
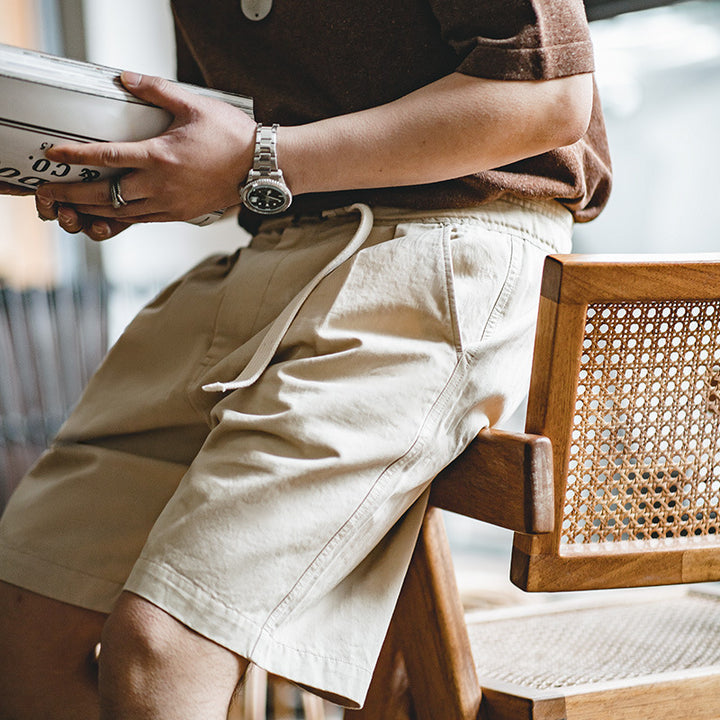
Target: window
<point>26,246</point>
<point>658,72</point>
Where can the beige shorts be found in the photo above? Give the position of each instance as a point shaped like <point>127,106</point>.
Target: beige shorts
<point>253,454</point>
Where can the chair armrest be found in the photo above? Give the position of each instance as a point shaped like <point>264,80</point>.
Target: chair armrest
<point>503,478</point>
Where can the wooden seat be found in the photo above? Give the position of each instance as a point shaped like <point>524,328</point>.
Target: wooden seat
<point>634,655</point>
<point>616,484</point>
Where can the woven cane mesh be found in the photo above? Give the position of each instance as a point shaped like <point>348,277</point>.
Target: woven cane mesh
<point>606,644</point>
<point>645,459</point>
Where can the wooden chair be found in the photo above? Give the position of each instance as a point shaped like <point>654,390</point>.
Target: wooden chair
<point>615,485</point>
<point>264,696</point>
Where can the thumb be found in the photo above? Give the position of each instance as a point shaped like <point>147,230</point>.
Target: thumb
<point>157,91</point>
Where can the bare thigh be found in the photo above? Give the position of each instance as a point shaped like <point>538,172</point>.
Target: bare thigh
<point>47,667</point>
<point>152,664</point>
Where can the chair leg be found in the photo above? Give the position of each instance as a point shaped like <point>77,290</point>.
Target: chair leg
<point>425,670</point>
<point>388,697</point>
<point>313,706</point>
<point>432,634</point>
<point>255,698</point>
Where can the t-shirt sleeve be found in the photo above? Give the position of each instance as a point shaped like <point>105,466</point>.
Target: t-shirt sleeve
<point>517,39</point>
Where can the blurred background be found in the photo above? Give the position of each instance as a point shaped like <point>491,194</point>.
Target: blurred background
<point>64,299</point>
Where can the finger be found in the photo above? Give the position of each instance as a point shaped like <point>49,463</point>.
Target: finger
<point>131,210</point>
<point>103,154</point>
<point>99,229</point>
<point>74,193</point>
<point>69,219</point>
<point>159,91</point>
<point>156,90</point>
<point>95,228</point>
<point>88,195</point>
<point>45,205</point>
<point>150,218</point>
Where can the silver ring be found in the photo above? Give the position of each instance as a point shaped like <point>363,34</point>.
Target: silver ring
<point>115,197</point>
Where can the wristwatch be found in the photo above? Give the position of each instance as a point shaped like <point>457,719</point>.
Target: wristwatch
<point>264,191</point>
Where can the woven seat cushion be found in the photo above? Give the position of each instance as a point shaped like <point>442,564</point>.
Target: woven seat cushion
<point>556,649</point>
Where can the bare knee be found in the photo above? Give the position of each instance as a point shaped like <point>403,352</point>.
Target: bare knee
<point>138,633</point>
<point>150,660</point>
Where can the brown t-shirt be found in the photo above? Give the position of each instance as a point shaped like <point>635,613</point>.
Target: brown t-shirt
<point>312,59</point>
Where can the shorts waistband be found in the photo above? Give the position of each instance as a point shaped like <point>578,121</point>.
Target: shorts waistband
<point>540,217</point>
<point>551,209</point>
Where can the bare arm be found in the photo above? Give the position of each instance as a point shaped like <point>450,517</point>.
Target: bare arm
<point>456,126</point>
<point>452,127</point>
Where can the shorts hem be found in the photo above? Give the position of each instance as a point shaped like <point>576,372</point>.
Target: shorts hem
<point>57,582</point>
<point>213,618</point>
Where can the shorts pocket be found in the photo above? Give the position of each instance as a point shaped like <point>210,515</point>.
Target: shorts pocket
<point>480,272</point>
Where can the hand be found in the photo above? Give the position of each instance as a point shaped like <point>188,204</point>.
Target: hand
<point>191,169</point>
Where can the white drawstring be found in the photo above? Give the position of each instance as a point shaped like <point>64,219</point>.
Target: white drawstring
<point>269,345</point>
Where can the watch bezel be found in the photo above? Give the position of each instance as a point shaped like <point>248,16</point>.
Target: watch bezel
<point>252,185</point>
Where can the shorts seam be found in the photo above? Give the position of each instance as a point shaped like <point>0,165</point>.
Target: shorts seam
<point>300,651</point>
<point>261,629</point>
<point>505,291</point>
<point>365,507</point>
<point>450,289</point>
<point>521,233</point>
<point>54,563</point>
<point>490,225</point>
<point>261,302</point>
<point>197,586</point>
<point>482,213</point>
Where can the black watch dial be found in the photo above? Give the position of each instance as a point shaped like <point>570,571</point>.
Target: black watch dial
<point>267,199</point>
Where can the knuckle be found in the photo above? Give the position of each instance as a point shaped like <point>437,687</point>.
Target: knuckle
<point>46,211</point>
<point>153,151</point>
<point>158,83</point>
<point>109,154</point>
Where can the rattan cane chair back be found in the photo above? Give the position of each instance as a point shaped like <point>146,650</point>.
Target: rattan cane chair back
<point>626,385</point>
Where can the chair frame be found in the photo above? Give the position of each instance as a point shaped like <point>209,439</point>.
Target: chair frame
<point>517,480</point>
<point>570,285</point>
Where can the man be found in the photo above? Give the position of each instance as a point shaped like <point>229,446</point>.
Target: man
<point>245,476</point>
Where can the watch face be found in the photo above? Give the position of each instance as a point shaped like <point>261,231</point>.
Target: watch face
<point>267,198</point>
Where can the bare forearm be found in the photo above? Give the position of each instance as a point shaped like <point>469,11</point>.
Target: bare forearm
<point>453,127</point>
<point>450,128</point>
